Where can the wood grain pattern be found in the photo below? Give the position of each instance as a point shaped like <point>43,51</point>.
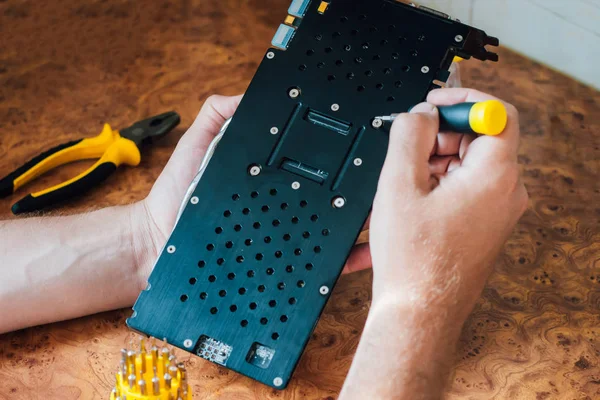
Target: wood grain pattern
<point>67,67</point>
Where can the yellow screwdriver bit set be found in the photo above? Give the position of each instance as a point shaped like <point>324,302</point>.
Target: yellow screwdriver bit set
<point>151,373</point>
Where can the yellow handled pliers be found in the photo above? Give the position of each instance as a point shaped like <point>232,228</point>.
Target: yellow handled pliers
<point>113,148</point>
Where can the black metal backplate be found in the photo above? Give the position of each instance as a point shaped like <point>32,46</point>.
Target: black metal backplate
<point>251,264</point>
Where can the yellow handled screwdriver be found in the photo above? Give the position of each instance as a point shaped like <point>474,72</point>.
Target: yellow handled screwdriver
<point>482,118</point>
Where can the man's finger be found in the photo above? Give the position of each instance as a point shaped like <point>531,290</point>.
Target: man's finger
<point>360,258</point>
<point>187,157</point>
<point>489,148</point>
<point>439,165</point>
<point>454,164</point>
<point>412,138</point>
<point>215,111</point>
<point>448,144</point>
<point>450,96</point>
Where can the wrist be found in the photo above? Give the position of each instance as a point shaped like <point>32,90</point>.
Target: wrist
<point>427,288</point>
<point>424,331</point>
<point>146,242</point>
<point>418,315</point>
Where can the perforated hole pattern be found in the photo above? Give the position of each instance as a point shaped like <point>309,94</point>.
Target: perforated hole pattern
<point>342,55</point>
<point>266,285</point>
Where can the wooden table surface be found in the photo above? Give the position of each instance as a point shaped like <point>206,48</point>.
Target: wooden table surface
<point>67,67</point>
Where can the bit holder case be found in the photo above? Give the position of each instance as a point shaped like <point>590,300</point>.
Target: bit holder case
<point>257,251</point>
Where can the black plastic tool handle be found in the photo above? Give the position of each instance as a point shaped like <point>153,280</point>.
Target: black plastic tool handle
<point>35,202</point>
<point>483,118</point>
<point>8,185</point>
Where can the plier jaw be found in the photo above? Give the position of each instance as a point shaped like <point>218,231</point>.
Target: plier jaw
<point>147,130</point>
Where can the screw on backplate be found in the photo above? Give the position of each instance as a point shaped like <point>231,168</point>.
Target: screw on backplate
<point>270,55</point>
<point>194,200</point>
<point>254,170</point>
<point>358,162</point>
<point>294,93</point>
<point>338,202</point>
<point>171,249</point>
<point>324,290</point>
<point>458,38</point>
<point>335,107</point>
<point>377,123</point>
<point>296,185</point>
<point>425,69</point>
<point>187,343</point>
<point>278,381</point>
<point>274,130</point>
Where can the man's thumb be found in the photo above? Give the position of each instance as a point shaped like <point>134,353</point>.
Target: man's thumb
<point>412,138</point>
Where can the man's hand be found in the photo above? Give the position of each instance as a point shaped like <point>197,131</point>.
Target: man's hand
<point>154,218</point>
<point>444,207</point>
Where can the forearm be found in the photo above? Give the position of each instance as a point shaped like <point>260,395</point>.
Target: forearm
<point>56,268</point>
<point>405,352</point>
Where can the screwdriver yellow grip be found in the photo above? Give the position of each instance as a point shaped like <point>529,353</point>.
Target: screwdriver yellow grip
<point>488,117</point>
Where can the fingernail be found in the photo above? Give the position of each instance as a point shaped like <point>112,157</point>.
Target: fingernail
<point>422,108</point>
